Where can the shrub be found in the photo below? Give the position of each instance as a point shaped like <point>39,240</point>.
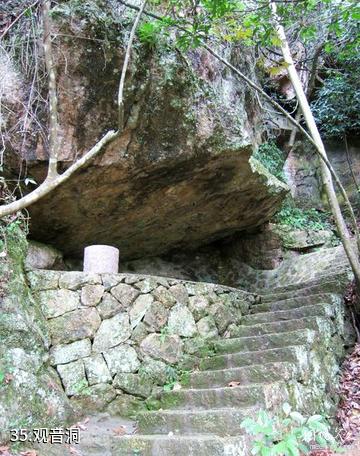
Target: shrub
<point>302,219</point>
<point>269,155</point>
<point>337,103</point>
<point>290,435</point>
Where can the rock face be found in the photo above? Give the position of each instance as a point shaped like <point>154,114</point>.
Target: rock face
<point>303,175</point>
<point>31,393</point>
<point>41,256</point>
<point>179,175</point>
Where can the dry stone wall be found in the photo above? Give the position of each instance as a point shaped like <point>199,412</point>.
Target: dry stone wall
<point>121,333</point>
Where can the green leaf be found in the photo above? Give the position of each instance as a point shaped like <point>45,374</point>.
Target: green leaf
<point>296,416</point>
<point>287,408</point>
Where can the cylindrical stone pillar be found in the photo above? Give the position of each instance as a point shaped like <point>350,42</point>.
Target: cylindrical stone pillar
<point>101,259</point>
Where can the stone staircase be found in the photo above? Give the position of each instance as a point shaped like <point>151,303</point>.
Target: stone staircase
<point>287,349</point>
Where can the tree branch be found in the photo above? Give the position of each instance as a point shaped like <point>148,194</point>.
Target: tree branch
<point>53,102</point>
<point>50,184</point>
<point>53,179</point>
<point>276,105</point>
<point>125,67</point>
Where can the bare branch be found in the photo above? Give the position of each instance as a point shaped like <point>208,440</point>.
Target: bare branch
<point>125,66</point>
<point>50,184</point>
<point>5,32</point>
<point>53,179</point>
<point>53,110</point>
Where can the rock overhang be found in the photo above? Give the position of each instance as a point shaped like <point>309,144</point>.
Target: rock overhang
<point>181,202</point>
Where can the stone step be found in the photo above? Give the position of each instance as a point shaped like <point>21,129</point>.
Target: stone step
<point>179,445</point>
<point>286,354</point>
<point>258,373</point>
<point>221,422</point>
<point>331,288</point>
<point>316,310</point>
<point>335,272</point>
<point>327,285</point>
<point>209,398</point>
<point>267,341</point>
<point>294,303</point>
<point>314,323</point>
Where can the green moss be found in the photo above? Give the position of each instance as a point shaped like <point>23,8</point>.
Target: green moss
<point>272,158</point>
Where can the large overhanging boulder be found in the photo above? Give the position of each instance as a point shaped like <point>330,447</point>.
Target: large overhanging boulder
<point>151,210</point>
<point>180,175</point>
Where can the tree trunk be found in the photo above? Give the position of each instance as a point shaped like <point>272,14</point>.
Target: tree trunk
<point>350,248</point>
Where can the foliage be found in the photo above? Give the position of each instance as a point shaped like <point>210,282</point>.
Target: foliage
<point>290,435</point>
<point>237,20</point>
<point>164,333</point>
<point>82,388</point>
<point>302,219</point>
<point>175,376</point>
<point>272,158</point>
<point>337,103</point>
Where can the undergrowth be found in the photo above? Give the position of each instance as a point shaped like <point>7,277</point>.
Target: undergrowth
<point>303,219</point>
<point>269,155</point>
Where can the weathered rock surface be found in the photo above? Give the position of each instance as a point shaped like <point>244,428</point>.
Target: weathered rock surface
<point>97,370</point>
<point>112,332</point>
<point>122,358</point>
<point>32,396</point>
<point>42,256</point>
<point>179,175</point>
<point>303,174</point>
<point>166,348</point>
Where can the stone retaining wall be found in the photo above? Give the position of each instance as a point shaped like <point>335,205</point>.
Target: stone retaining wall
<point>112,334</point>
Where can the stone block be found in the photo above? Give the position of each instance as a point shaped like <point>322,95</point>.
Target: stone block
<point>122,358</point>
<point>180,293</point>
<point>112,332</point>
<point>164,296</point>
<point>139,308</point>
<point>181,322</point>
<point>111,280</point>
<point>199,306</point>
<point>125,294</point>
<point>146,285</point>
<point>109,306</point>
<point>91,295</point>
<point>76,325</point>
<point>73,280</point>
<point>63,354</point>
<point>43,280</point>
<point>58,302</point>
<point>139,333</point>
<point>166,348</point>
<point>97,370</point>
<point>207,327</point>
<point>156,316</point>
<point>222,316</point>
<point>133,384</point>
<point>73,377</point>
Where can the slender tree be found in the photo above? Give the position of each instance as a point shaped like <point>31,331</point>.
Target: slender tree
<point>213,22</point>
<point>350,249</point>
